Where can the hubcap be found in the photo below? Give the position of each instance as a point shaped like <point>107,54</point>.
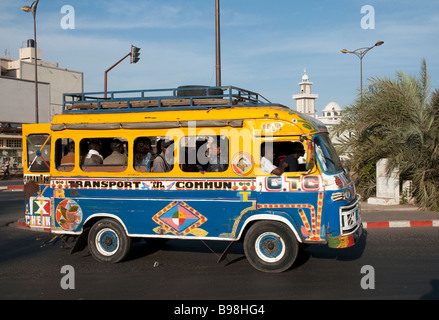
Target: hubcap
<point>107,242</point>
<point>270,247</point>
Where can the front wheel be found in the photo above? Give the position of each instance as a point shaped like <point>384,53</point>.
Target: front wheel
<point>108,242</point>
<point>270,246</point>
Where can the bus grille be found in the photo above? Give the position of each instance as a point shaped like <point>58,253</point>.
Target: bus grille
<point>350,217</point>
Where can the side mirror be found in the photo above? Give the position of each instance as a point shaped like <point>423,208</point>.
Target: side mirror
<point>310,155</point>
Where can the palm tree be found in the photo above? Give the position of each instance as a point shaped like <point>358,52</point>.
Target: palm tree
<point>398,119</point>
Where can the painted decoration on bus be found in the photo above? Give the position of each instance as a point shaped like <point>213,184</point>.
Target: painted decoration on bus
<point>242,164</point>
<point>38,212</point>
<point>341,241</point>
<point>263,183</point>
<point>41,206</point>
<point>153,184</point>
<point>338,181</point>
<point>68,214</point>
<point>289,183</point>
<point>179,218</point>
<point>272,126</point>
<point>311,228</point>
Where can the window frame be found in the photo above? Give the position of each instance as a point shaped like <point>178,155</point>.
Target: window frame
<point>46,146</point>
<point>202,168</point>
<point>58,159</point>
<point>102,168</point>
<point>285,140</point>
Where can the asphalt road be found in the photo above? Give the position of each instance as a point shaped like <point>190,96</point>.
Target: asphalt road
<point>390,263</point>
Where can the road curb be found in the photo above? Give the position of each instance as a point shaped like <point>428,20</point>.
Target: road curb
<point>400,224</point>
<point>12,188</point>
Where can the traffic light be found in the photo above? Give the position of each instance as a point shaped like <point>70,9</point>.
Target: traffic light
<point>135,54</point>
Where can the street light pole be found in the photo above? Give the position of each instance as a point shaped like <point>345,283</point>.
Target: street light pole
<point>360,53</point>
<point>33,8</point>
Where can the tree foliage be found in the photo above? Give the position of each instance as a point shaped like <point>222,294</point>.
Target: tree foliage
<point>396,119</point>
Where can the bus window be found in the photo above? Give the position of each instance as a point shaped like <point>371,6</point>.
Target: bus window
<point>144,153</point>
<point>104,154</point>
<point>204,154</point>
<point>188,154</point>
<point>290,152</point>
<point>65,154</point>
<point>327,155</point>
<point>38,152</point>
<point>164,160</point>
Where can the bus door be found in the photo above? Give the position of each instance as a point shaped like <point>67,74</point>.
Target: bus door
<point>36,160</point>
<point>297,194</point>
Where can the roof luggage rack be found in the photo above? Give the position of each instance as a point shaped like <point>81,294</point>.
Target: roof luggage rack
<point>185,97</point>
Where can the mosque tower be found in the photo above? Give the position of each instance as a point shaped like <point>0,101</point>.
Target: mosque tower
<point>305,100</point>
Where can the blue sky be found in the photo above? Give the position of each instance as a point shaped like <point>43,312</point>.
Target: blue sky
<point>265,45</point>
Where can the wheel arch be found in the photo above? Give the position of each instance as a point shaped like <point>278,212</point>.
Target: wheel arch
<point>267,216</point>
<point>91,220</point>
<point>81,242</point>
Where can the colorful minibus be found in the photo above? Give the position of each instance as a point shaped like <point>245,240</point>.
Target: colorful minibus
<point>206,163</point>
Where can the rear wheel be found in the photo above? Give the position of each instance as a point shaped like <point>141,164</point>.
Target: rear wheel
<point>108,242</point>
<point>270,246</point>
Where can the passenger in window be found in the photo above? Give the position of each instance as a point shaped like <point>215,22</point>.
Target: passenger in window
<point>143,155</point>
<point>267,161</point>
<point>160,163</point>
<point>189,163</point>
<point>93,156</point>
<point>69,158</point>
<point>291,159</point>
<point>117,157</point>
<point>218,159</point>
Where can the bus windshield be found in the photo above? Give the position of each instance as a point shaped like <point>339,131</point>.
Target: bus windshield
<point>327,155</point>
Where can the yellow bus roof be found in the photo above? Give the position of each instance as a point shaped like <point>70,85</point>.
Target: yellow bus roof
<point>277,119</point>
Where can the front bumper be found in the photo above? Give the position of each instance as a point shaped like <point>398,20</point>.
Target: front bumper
<point>351,227</point>
<point>346,241</point>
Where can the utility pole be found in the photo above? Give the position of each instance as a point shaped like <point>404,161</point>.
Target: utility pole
<point>218,43</point>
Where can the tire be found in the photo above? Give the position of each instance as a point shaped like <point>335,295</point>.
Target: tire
<point>108,242</point>
<point>270,246</point>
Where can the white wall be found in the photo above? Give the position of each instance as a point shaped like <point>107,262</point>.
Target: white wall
<point>61,81</point>
<point>17,101</point>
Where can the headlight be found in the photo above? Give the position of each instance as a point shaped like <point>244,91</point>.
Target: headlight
<point>347,194</point>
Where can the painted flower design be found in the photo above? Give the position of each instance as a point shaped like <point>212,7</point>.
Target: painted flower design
<point>68,214</point>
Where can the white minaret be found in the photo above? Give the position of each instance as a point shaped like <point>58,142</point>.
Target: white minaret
<point>305,100</point>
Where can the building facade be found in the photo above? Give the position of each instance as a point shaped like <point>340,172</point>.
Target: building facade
<point>17,98</point>
<point>60,80</point>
